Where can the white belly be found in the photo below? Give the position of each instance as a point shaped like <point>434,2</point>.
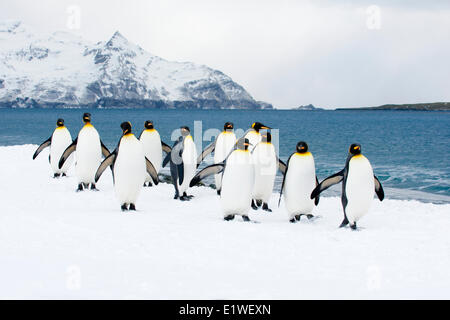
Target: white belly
<point>254,138</point>
<point>224,144</point>
<point>299,183</point>
<point>129,170</point>
<point>190,164</point>
<point>265,162</point>
<point>237,184</point>
<point>61,139</point>
<point>88,154</point>
<point>359,189</point>
<point>151,142</point>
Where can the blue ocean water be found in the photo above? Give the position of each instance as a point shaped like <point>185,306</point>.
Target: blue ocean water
<point>410,151</point>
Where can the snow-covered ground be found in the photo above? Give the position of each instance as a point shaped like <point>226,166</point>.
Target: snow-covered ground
<point>55,243</point>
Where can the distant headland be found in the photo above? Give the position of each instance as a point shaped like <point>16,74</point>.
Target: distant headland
<point>435,106</point>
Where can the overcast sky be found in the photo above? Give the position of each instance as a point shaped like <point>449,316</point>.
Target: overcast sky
<point>288,53</point>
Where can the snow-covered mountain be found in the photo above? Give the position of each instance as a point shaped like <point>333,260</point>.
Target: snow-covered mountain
<point>62,69</point>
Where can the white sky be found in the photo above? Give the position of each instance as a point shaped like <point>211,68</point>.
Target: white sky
<point>288,53</point>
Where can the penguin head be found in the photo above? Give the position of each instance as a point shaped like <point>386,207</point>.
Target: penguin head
<point>60,123</point>
<point>243,144</point>
<point>355,149</point>
<point>126,128</point>
<point>302,147</point>
<point>229,126</point>
<point>257,126</point>
<point>267,137</point>
<point>87,118</point>
<point>185,131</point>
<point>149,125</point>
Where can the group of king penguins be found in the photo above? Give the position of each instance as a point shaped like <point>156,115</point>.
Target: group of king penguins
<point>244,169</point>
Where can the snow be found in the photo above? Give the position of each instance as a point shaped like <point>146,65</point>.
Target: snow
<point>56,243</point>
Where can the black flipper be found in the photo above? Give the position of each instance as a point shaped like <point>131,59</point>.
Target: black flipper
<point>166,148</point>
<point>379,189</point>
<point>209,149</point>
<point>316,202</point>
<point>70,149</point>
<point>284,179</point>
<point>174,174</point>
<point>166,160</point>
<point>108,162</point>
<point>281,166</point>
<point>180,172</point>
<point>208,171</point>
<point>105,151</point>
<point>327,183</point>
<point>44,145</point>
<point>152,171</point>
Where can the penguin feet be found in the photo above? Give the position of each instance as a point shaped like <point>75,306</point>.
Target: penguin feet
<point>189,197</point>
<point>266,207</point>
<point>310,216</point>
<point>344,223</point>
<point>246,219</point>
<point>80,187</point>
<point>56,175</point>
<point>229,218</point>
<point>219,192</point>
<point>294,220</point>
<point>93,187</point>
<point>132,207</point>
<point>254,206</point>
<point>297,217</point>
<point>185,197</point>
<point>259,203</point>
<point>64,175</point>
<point>149,185</point>
<point>353,226</point>
<point>124,207</point>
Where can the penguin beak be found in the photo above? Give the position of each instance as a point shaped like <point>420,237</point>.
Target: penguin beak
<point>264,127</point>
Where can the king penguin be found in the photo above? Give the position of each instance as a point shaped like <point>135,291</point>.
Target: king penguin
<point>298,182</point>
<point>253,134</point>
<point>222,146</point>
<point>238,178</point>
<point>359,184</point>
<point>266,164</point>
<point>183,163</point>
<point>89,150</point>
<point>58,142</point>
<point>153,148</point>
<point>128,163</point>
